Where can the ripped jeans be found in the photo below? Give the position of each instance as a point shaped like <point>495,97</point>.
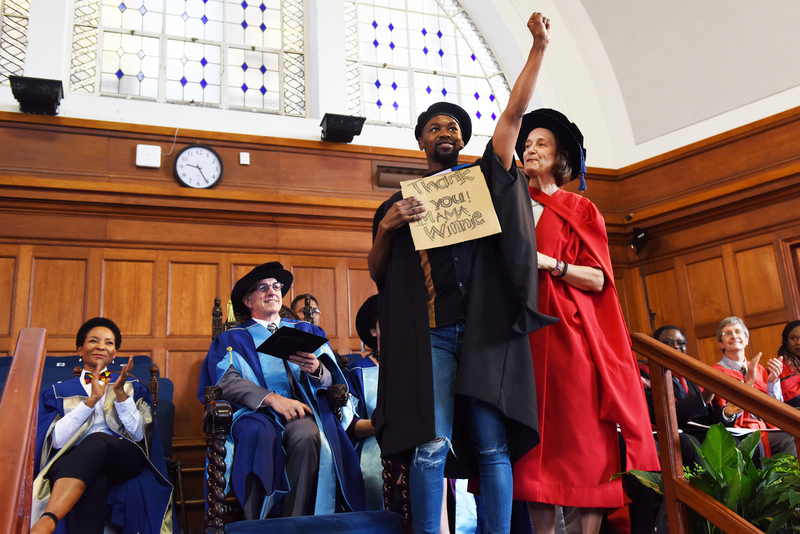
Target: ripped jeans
<point>488,435</point>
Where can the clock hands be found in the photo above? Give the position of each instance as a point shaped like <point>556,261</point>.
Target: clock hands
<point>199,169</point>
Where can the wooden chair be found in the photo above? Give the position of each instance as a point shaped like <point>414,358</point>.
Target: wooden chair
<point>217,419</point>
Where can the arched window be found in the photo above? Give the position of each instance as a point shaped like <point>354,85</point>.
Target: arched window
<point>232,54</point>
<point>403,55</point>
<point>13,37</point>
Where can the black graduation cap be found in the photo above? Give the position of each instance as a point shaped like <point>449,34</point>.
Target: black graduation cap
<point>287,341</point>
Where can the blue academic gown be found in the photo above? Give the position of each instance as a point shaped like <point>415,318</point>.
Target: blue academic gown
<point>338,459</point>
<point>362,377</point>
<point>141,504</point>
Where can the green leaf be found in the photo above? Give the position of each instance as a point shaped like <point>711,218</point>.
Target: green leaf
<point>779,521</point>
<point>718,451</point>
<point>748,445</point>
<point>654,481</point>
<point>733,490</point>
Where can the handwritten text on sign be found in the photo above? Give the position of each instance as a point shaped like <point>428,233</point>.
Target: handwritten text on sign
<point>459,208</point>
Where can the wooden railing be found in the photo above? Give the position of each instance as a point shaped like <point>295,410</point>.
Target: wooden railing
<point>678,492</point>
<point>18,409</point>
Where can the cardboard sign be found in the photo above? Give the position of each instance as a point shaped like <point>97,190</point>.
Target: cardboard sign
<point>459,208</point>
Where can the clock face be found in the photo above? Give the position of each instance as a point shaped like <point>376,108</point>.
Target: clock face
<point>198,166</point>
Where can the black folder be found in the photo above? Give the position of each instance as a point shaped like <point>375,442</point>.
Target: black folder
<point>287,341</point>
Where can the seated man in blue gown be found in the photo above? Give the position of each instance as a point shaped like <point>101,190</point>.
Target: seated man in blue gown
<point>289,451</point>
<point>362,375</point>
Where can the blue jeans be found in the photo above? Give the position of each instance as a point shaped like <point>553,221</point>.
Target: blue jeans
<point>488,436</point>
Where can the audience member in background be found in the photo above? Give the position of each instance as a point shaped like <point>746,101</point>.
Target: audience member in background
<point>284,431</point>
<point>306,308</point>
<point>455,319</point>
<point>97,448</point>
<point>587,381</point>
<point>362,376</point>
<point>790,352</point>
<point>734,337</point>
<point>691,403</point>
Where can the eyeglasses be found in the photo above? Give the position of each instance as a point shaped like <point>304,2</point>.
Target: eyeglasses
<point>263,288</point>
<point>674,343</point>
<point>736,332</point>
<point>315,311</point>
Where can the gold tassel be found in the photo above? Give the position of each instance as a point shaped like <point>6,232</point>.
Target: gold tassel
<point>231,315</point>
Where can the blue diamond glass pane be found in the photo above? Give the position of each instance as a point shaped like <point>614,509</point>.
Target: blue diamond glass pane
<point>391,27</point>
<point>478,114</point>
<point>140,76</point>
<point>374,24</point>
<point>203,83</point>
<point>425,50</point>
<point>203,62</point>
<point>263,90</point>
<point>204,19</point>
<point>394,86</point>
<point>262,7</point>
<point>183,81</point>
<point>424,31</point>
<point>391,45</point>
<point>395,106</point>
<point>122,7</point>
<point>428,89</point>
<point>263,27</point>
<point>378,84</point>
<point>244,24</point>
<point>476,95</point>
<point>244,66</point>
<point>119,74</point>
<point>244,4</point>
<point>444,91</point>
<point>379,103</point>
<point>491,98</point>
<point>142,10</point>
<point>375,42</point>
<point>441,52</point>
<point>244,87</point>
<point>263,69</point>
<point>494,117</point>
<point>439,34</point>
<point>473,57</point>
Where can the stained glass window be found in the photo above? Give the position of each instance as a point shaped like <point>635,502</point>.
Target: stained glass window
<point>13,37</point>
<point>403,55</point>
<point>226,53</point>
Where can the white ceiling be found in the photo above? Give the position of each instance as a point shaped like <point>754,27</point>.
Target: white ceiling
<point>641,77</point>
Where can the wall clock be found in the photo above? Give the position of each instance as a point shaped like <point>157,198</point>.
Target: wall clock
<point>198,166</point>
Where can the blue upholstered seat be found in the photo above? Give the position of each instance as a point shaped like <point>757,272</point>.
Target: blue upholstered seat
<point>350,523</point>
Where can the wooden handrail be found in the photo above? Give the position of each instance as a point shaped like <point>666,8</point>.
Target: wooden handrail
<point>678,493</point>
<point>18,409</point>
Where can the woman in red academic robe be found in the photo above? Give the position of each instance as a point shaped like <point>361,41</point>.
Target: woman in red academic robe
<point>587,380</point>
<point>790,350</point>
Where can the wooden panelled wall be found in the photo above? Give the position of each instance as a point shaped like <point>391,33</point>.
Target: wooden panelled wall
<point>84,232</point>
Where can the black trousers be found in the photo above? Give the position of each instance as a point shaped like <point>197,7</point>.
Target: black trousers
<point>100,461</point>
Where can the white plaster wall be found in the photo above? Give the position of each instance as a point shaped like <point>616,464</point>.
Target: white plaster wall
<point>577,78</point>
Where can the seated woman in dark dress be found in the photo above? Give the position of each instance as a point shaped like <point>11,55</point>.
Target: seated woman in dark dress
<point>98,456</point>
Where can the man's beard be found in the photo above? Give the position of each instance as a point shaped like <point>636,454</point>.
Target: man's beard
<point>448,158</point>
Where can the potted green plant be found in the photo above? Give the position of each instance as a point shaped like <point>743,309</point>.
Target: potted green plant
<point>768,497</point>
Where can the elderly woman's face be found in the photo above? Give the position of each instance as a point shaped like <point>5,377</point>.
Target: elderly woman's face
<point>100,348</point>
<point>793,341</point>
<point>540,152</point>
